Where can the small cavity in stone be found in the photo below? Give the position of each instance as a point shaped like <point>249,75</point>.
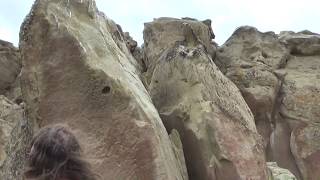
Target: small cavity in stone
<point>106,90</point>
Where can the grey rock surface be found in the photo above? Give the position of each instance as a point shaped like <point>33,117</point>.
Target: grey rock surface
<point>216,126</point>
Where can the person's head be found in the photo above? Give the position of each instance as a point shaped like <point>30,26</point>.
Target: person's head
<point>56,154</point>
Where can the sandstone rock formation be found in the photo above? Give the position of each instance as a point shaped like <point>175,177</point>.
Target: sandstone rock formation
<point>177,108</point>
<point>278,173</point>
<point>13,128</point>
<point>178,149</point>
<point>78,70</point>
<point>217,129</point>
<point>10,115</point>
<point>15,137</point>
<point>300,105</point>
<point>278,77</point>
<point>248,59</point>
<point>10,66</point>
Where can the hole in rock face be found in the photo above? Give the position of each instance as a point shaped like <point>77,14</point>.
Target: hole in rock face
<point>106,90</point>
<point>18,101</point>
<point>264,54</point>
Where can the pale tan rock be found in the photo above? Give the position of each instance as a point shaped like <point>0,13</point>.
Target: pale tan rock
<point>279,79</point>
<point>10,66</point>
<point>178,150</point>
<point>300,108</point>
<point>10,114</point>
<point>76,71</point>
<point>178,35</point>
<point>216,126</point>
<point>13,139</point>
<point>278,173</point>
<point>302,43</point>
<point>249,58</point>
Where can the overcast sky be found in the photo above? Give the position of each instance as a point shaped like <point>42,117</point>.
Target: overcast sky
<point>226,15</point>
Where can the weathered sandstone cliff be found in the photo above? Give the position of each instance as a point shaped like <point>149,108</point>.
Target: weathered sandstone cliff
<point>177,108</point>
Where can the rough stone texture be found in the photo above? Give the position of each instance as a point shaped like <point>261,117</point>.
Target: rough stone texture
<point>178,150</point>
<point>303,43</point>
<point>278,173</point>
<point>9,66</point>
<point>300,105</point>
<point>177,35</point>
<point>279,79</point>
<point>77,70</point>
<point>10,114</point>
<point>248,59</point>
<point>136,51</point>
<point>216,126</point>
<point>81,69</point>
<point>14,136</point>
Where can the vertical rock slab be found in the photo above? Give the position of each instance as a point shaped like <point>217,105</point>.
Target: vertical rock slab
<point>300,105</point>
<point>278,76</point>
<point>77,70</point>
<point>10,66</point>
<point>216,126</point>
<point>178,150</point>
<point>10,114</point>
<point>14,137</point>
<point>278,173</point>
<point>249,58</point>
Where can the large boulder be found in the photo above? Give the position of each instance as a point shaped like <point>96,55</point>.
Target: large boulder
<point>176,33</point>
<point>217,129</point>
<point>14,138</point>
<point>278,76</point>
<point>10,114</point>
<point>302,43</point>
<point>178,150</point>
<point>10,66</point>
<point>78,70</point>
<point>301,99</point>
<point>248,58</point>
<point>278,173</point>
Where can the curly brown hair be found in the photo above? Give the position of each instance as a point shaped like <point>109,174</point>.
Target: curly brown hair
<point>55,154</point>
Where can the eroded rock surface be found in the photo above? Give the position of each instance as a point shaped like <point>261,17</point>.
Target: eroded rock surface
<point>14,138</point>
<point>82,69</point>
<point>300,105</point>
<point>10,114</point>
<point>216,126</point>
<point>10,66</point>
<point>278,173</point>
<point>248,58</point>
<point>78,70</point>
<point>278,76</point>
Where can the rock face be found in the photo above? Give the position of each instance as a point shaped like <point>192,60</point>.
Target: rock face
<point>177,35</point>
<point>14,138</point>
<point>278,173</point>
<point>278,77</point>
<point>178,149</point>
<point>9,65</point>
<point>248,59</point>
<point>177,108</point>
<point>217,129</point>
<point>300,105</point>
<point>78,70</point>
<point>10,114</point>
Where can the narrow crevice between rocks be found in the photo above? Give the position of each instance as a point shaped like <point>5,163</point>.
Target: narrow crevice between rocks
<point>279,123</point>
<point>195,168</point>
